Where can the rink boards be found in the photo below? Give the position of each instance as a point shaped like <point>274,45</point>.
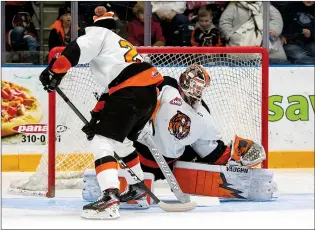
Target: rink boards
<point>291,119</point>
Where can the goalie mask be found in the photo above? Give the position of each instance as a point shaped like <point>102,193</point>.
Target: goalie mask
<point>192,82</point>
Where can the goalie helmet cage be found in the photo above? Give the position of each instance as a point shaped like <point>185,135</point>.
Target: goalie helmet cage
<point>237,99</point>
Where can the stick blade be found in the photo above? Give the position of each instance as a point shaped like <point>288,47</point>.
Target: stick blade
<point>177,207</point>
<point>205,200</point>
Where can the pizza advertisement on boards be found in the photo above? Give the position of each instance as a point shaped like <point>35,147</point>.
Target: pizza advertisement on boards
<point>24,107</point>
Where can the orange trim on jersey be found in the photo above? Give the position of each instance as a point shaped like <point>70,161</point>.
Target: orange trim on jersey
<point>152,164</point>
<point>157,107</point>
<point>148,77</point>
<point>105,166</point>
<point>192,39</point>
<point>223,159</point>
<point>99,106</point>
<point>220,43</point>
<point>148,163</point>
<point>133,162</point>
<point>57,25</point>
<point>61,65</point>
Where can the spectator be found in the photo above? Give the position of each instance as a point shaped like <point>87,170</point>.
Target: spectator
<point>241,24</point>
<point>12,8</point>
<point>136,29</point>
<point>60,35</point>
<point>193,6</point>
<point>276,51</point>
<point>123,9</point>
<point>205,33</point>
<point>122,13</point>
<point>216,7</point>
<point>299,32</point>
<point>279,5</point>
<point>170,15</point>
<point>23,36</point>
<point>121,26</point>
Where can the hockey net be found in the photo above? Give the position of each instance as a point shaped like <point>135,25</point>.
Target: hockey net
<point>237,99</point>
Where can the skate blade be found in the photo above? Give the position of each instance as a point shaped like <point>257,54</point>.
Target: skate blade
<point>135,204</point>
<point>108,214</point>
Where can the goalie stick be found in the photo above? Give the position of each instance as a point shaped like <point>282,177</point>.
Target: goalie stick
<point>167,172</point>
<point>165,206</point>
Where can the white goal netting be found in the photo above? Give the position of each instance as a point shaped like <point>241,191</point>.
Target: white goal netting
<point>234,99</point>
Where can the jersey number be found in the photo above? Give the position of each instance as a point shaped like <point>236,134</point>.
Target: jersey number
<point>131,55</point>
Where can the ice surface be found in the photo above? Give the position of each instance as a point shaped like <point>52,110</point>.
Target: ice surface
<point>292,209</point>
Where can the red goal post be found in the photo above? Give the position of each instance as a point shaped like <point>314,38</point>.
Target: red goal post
<point>237,98</point>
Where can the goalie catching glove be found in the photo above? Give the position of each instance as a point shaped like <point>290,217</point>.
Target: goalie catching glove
<point>246,153</point>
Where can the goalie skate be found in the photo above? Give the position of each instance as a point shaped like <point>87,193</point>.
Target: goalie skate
<point>106,207</point>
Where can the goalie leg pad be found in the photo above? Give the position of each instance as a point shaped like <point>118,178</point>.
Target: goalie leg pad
<point>91,190</point>
<point>225,181</point>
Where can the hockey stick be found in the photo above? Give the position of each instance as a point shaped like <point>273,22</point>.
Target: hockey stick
<point>167,172</point>
<point>165,206</point>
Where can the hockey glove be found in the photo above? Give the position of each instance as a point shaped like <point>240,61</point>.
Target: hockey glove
<point>246,153</point>
<point>49,79</point>
<point>88,129</point>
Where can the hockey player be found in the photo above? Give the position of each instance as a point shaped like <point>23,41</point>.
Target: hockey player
<point>185,130</point>
<point>131,99</point>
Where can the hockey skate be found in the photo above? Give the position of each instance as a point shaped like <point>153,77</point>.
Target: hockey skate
<point>106,207</point>
<point>134,198</point>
